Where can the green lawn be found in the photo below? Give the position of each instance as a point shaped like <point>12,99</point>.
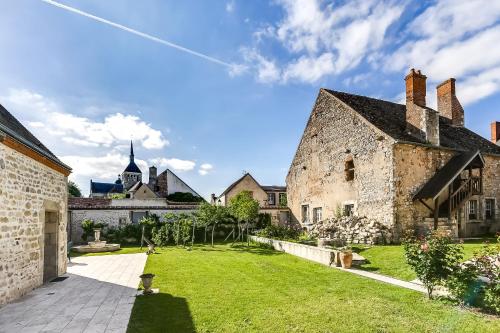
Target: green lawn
<point>390,259</point>
<point>255,289</point>
<point>123,250</point>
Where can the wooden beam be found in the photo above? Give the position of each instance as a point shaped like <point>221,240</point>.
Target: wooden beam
<point>426,205</point>
<point>436,213</point>
<point>20,148</point>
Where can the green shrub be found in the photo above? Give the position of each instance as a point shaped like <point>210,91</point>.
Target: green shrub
<point>462,284</point>
<point>184,197</point>
<point>88,227</point>
<point>487,260</point>
<point>263,220</point>
<point>279,232</point>
<point>434,258</point>
<point>161,235</point>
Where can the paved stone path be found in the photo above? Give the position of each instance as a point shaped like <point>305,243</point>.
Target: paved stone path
<point>97,296</point>
<point>386,279</point>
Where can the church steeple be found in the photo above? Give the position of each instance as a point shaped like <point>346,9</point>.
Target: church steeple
<point>131,152</point>
<point>132,174</point>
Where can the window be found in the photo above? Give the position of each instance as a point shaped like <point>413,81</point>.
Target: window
<point>305,213</point>
<point>283,200</point>
<point>489,210</point>
<point>271,199</point>
<point>473,210</point>
<point>349,169</point>
<point>317,214</point>
<point>349,210</point>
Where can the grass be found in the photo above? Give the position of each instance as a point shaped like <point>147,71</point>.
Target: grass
<point>127,249</point>
<point>255,289</point>
<point>390,260</point>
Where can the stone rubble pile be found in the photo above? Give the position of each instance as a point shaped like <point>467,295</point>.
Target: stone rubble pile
<point>353,230</point>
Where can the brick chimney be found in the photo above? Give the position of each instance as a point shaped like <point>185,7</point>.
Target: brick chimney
<point>421,121</point>
<point>152,177</point>
<point>495,132</point>
<point>448,104</point>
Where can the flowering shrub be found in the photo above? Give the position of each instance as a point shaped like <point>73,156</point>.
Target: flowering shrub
<point>487,261</point>
<point>434,258</point>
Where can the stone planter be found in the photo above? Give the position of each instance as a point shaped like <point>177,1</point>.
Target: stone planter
<point>147,282</point>
<point>345,259</point>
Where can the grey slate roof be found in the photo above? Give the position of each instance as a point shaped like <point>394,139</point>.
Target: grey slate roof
<point>96,187</point>
<point>274,188</point>
<point>12,127</point>
<point>448,173</point>
<point>390,118</point>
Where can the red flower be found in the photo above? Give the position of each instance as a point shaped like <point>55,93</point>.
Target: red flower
<point>424,247</point>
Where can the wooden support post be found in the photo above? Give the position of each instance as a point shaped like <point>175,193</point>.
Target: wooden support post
<point>436,212</point>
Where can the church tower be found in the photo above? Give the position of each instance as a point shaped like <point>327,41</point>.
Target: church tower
<point>132,174</point>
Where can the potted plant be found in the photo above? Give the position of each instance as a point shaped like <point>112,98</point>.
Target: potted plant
<point>147,282</point>
<point>345,255</point>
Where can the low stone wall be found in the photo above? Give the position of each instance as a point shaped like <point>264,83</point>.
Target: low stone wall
<point>317,254</point>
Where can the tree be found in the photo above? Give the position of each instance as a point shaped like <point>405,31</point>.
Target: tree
<point>74,190</point>
<point>244,208</point>
<point>211,215</point>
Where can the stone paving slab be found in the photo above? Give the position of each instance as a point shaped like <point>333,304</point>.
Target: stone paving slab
<point>97,296</point>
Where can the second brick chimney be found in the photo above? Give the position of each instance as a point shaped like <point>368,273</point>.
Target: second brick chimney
<point>153,175</point>
<point>448,104</point>
<point>421,121</point>
<point>495,132</point>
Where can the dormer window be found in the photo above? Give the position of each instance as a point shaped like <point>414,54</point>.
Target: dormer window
<point>349,169</point>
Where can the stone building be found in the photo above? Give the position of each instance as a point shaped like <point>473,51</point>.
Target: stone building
<point>405,166</point>
<point>33,208</point>
<point>272,199</point>
<point>160,186</point>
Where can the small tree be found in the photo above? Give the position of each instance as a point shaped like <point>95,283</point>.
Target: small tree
<point>487,261</point>
<point>74,190</point>
<point>244,208</point>
<point>433,258</point>
<point>211,215</point>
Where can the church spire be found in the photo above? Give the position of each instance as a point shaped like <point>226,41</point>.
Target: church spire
<point>131,151</point>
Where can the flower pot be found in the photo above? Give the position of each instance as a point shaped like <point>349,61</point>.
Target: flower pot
<point>345,259</point>
<point>147,282</point>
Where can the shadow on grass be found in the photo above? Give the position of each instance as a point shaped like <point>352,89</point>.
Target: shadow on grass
<point>161,313</point>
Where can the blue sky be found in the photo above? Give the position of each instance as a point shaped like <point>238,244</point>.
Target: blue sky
<point>86,88</point>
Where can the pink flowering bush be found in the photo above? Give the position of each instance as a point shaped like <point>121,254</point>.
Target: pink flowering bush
<point>434,258</point>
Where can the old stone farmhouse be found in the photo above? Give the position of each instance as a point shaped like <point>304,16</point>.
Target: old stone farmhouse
<point>33,208</point>
<point>272,199</point>
<point>403,165</point>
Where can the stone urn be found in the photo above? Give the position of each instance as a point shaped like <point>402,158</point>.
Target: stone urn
<point>345,258</point>
<point>147,282</point>
<point>97,235</point>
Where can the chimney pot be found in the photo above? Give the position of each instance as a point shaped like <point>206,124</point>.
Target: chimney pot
<point>495,132</point>
<point>448,103</point>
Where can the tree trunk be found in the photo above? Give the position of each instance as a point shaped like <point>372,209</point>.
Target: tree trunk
<point>192,238</point>
<point>205,240</point>
<point>213,229</point>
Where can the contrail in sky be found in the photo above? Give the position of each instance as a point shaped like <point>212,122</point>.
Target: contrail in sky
<point>140,34</point>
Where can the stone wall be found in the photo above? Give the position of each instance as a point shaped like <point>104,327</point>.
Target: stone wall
<point>317,177</point>
<point>414,166</point>
<point>27,190</point>
<point>111,217</point>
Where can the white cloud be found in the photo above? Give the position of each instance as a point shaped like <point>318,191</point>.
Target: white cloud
<point>108,166</point>
<point>174,163</point>
<point>266,69</point>
<point>46,115</point>
<point>205,169</point>
<point>323,38</point>
<point>230,6</point>
<point>454,39</point>
<point>309,69</point>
